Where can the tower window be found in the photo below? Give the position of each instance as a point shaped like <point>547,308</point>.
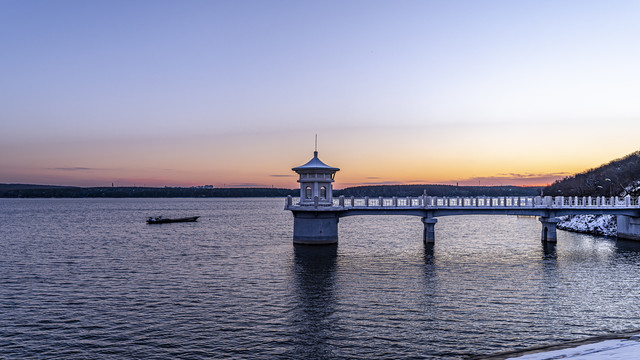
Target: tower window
<point>307,192</point>
<point>323,192</point>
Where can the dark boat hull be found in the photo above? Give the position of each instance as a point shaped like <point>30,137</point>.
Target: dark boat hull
<point>167,220</point>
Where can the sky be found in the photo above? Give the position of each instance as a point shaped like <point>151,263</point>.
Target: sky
<point>232,93</point>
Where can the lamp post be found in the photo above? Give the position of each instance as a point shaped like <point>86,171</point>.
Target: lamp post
<point>609,180</point>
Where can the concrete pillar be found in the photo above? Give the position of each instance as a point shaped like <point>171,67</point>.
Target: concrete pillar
<point>628,227</point>
<point>315,227</point>
<point>429,234</point>
<point>549,233</point>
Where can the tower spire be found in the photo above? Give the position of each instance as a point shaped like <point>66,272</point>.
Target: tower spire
<point>315,152</point>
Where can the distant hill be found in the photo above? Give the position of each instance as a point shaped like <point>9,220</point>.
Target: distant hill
<point>46,191</point>
<point>437,190</point>
<point>618,177</point>
<point>6,187</point>
<point>49,191</point>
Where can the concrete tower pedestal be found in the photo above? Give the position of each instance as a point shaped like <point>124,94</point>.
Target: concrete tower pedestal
<point>315,228</point>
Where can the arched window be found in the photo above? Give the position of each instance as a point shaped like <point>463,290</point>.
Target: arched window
<point>323,192</point>
<point>307,192</point>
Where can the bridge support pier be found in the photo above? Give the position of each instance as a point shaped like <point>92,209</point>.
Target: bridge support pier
<point>628,227</point>
<point>549,233</point>
<point>429,233</point>
<point>315,227</point>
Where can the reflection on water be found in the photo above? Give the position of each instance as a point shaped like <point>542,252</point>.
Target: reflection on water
<point>89,279</point>
<point>314,273</point>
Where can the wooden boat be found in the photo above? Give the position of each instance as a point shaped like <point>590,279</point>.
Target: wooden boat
<point>161,220</point>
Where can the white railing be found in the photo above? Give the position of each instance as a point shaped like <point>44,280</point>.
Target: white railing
<point>481,201</point>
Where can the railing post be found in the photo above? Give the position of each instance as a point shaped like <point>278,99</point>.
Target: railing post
<point>627,201</point>
<point>380,201</point>
<point>353,201</point>
<point>289,200</point>
<point>366,201</point>
<point>395,201</point>
<point>409,201</point>
<point>341,200</point>
<point>561,198</point>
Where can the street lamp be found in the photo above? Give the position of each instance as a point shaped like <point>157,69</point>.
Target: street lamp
<point>609,180</point>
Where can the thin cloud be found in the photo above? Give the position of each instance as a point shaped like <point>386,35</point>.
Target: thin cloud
<point>281,176</point>
<point>76,168</point>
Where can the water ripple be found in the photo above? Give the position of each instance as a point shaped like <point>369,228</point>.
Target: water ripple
<point>87,278</point>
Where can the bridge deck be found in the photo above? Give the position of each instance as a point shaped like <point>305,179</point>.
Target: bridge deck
<point>427,206</point>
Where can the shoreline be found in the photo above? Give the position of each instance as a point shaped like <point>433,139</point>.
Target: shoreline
<point>565,345</point>
<point>599,225</point>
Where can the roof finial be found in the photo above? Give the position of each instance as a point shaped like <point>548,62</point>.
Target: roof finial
<point>315,153</point>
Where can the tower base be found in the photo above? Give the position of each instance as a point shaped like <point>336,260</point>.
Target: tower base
<point>315,227</point>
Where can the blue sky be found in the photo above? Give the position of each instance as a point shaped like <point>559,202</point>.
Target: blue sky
<point>232,92</point>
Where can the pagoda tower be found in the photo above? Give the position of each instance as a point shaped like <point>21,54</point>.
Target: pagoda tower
<point>316,182</point>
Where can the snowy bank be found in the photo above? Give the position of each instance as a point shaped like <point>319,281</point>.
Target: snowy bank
<point>591,224</point>
<point>608,349</point>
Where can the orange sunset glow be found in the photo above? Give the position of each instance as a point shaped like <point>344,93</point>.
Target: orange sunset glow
<point>173,94</point>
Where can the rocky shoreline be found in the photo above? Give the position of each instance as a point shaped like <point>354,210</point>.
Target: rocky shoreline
<point>604,225</point>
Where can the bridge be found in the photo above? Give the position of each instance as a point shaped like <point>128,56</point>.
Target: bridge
<point>429,208</point>
<point>316,212</point>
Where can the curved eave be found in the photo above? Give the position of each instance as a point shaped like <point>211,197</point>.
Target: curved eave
<point>315,164</point>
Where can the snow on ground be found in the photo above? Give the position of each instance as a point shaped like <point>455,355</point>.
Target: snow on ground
<point>591,224</point>
<point>609,349</point>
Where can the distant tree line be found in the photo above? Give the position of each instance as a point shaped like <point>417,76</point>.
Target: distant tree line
<point>142,192</point>
<point>437,190</point>
<point>43,191</point>
<point>619,177</point>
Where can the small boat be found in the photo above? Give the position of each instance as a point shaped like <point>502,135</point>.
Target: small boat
<point>161,220</point>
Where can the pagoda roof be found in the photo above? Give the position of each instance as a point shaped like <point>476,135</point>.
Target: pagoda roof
<point>315,164</point>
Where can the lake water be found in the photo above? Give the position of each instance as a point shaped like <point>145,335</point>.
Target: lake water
<point>88,279</point>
